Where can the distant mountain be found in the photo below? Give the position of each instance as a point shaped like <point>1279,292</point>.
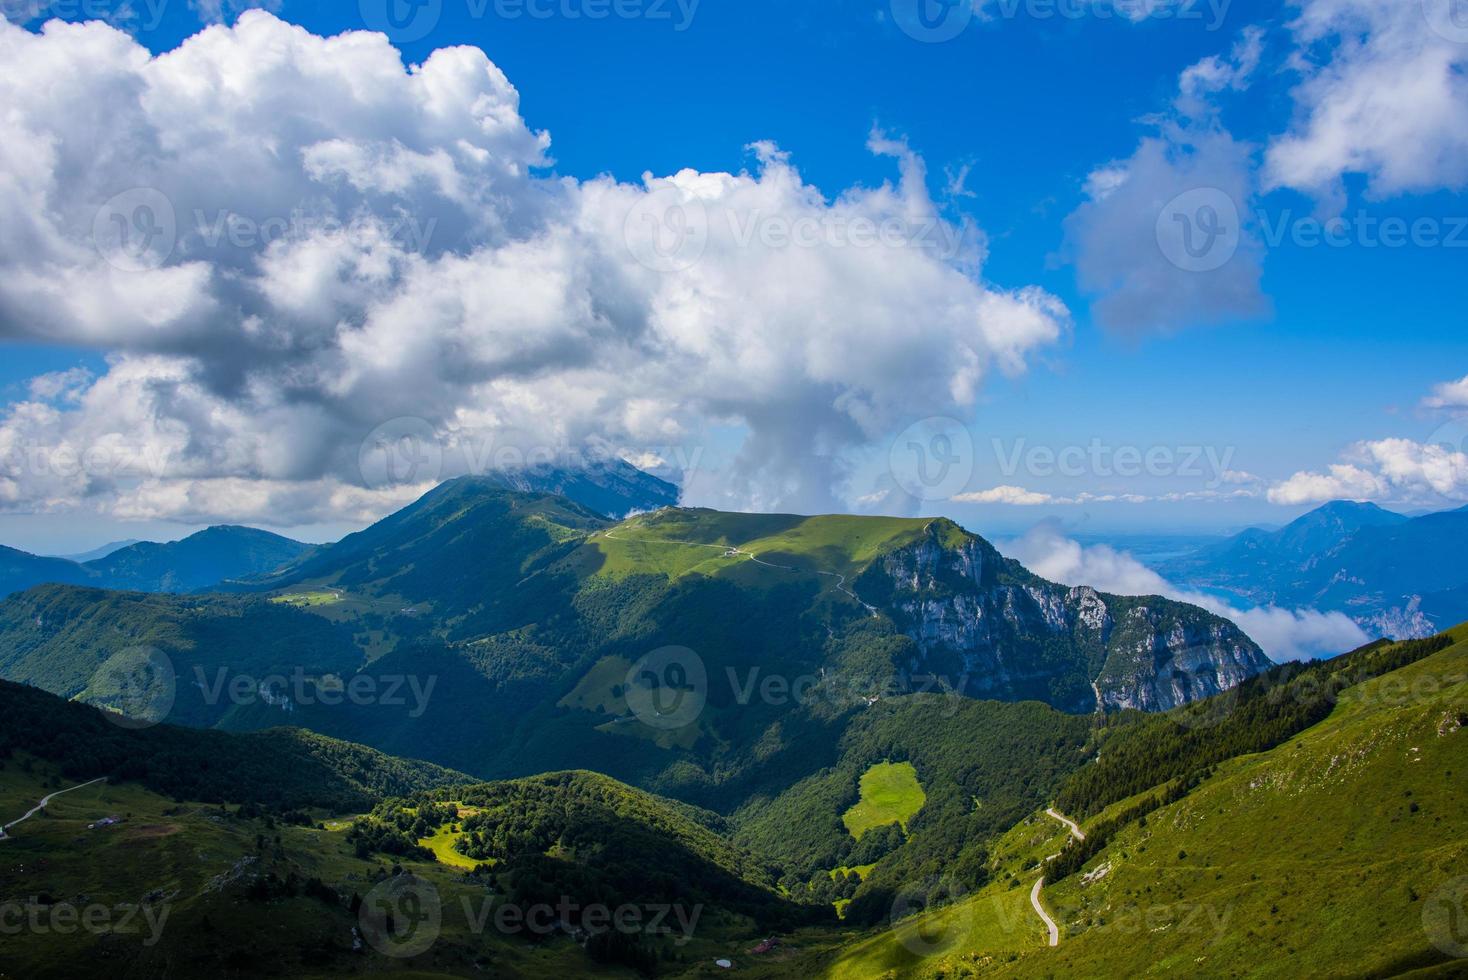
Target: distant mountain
<point>203,560</point>
<point>1396,575</point>
<point>20,570</point>
<point>101,552</point>
<point>206,558</point>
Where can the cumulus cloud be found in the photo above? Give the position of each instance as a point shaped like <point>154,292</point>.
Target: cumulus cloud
<point>1284,634</point>
<point>1449,394</point>
<point>275,277</point>
<point>1383,93</point>
<point>1164,239</point>
<point>1384,470</point>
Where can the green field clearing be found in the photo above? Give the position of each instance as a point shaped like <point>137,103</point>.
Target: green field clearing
<point>890,793</point>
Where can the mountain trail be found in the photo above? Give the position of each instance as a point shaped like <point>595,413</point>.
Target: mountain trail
<point>1075,831</point>
<point>1040,911</point>
<point>45,800</point>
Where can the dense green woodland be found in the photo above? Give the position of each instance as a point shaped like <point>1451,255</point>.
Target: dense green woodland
<point>284,768</point>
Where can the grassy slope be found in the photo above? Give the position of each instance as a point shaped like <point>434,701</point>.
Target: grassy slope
<point>1308,859</point>
<point>661,542</point>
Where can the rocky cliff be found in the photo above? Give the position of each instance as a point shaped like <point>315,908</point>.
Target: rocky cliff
<point>1012,635</point>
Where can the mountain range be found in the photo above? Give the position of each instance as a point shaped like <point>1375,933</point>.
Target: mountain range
<point>202,560</point>
<point>528,607</point>
<point>1395,575</point>
<point>215,557</point>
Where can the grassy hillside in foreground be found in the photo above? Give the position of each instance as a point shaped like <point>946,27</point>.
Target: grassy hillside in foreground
<point>185,889</point>
<point>182,891</point>
<point>1337,853</point>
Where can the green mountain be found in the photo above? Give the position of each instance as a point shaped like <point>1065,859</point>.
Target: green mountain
<point>519,618</point>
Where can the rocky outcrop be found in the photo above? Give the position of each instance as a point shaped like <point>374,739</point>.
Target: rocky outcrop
<point>1012,635</point>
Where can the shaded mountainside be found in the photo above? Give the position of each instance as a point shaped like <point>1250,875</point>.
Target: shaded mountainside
<point>1399,576</point>
<point>281,767</point>
<point>20,570</point>
<point>199,561</point>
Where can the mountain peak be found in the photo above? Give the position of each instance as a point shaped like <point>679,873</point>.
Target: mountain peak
<point>611,487</point>
<point>1354,508</point>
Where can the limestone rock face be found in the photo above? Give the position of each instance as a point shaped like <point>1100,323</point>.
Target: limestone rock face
<point>983,621</point>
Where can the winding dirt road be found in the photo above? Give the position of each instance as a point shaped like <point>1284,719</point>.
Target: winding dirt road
<point>1070,824</point>
<point>1040,911</point>
<point>1075,832</point>
<point>45,800</point>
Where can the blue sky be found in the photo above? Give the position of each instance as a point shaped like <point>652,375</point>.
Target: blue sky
<point>1350,342</point>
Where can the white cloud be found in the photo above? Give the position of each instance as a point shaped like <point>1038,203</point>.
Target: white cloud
<point>1384,470</point>
<point>391,246</point>
<point>1005,495</point>
<point>1449,394</point>
<point>1383,92</point>
<point>1284,634</point>
<point>1021,497</point>
<point>1164,240</point>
